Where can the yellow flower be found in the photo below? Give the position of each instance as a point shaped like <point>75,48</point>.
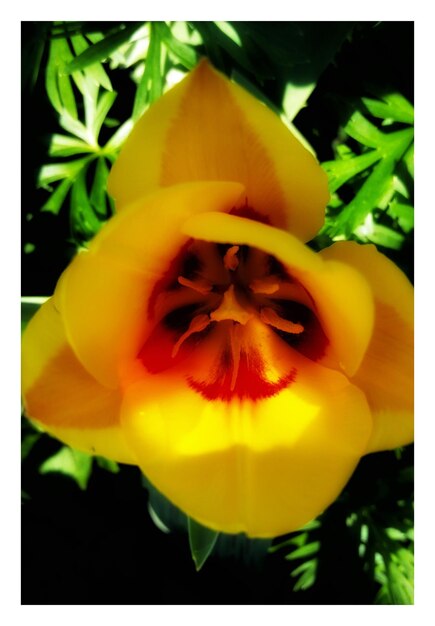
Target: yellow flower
<point>200,339</point>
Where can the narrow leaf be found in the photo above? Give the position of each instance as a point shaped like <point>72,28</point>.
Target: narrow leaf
<point>75,127</point>
<point>151,84</point>
<point>202,540</point>
<point>83,218</point>
<point>408,159</point>
<point>341,171</point>
<point>101,50</point>
<point>95,71</point>
<point>394,107</point>
<point>51,85</point>
<point>368,198</point>
<point>103,107</point>
<point>308,550</point>
<point>57,198</point>
<point>67,95</point>
<point>184,53</point>
<point>403,213</point>
<point>56,171</point>
<point>387,237</point>
<point>359,128</point>
<point>58,85</point>
<point>118,138</point>
<point>64,145</point>
<point>99,187</point>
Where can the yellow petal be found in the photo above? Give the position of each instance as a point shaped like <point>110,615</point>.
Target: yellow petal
<point>261,467</point>
<point>386,374</point>
<point>347,321</point>
<point>208,128</point>
<point>103,295</point>
<point>61,397</point>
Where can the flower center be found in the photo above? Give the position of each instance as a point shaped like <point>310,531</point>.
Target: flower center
<point>229,318</point>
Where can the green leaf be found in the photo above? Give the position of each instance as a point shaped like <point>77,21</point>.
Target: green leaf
<point>403,213</point>
<point>83,219</point>
<point>56,171</point>
<point>28,443</point>
<point>118,137</point>
<point>58,52</point>
<point>359,128</point>
<point>151,84</point>
<point>77,465</point>
<point>104,105</point>
<point>99,187</point>
<point>107,464</point>
<point>65,145</point>
<point>387,237</point>
<point>95,71</point>
<point>394,106</point>
<point>157,520</point>
<point>202,540</point>
<point>184,53</point>
<point>408,159</point>
<point>339,172</point>
<point>368,198</point>
<point>29,306</point>
<point>307,550</point>
<point>76,127</point>
<point>57,198</point>
<point>308,577</point>
<point>67,95</point>
<point>101,50</point>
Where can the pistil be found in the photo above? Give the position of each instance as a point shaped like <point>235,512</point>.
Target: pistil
<point>230,309</point>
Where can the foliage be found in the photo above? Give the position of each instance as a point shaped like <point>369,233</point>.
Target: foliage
<point>302,71</point>
<point>377,168</point>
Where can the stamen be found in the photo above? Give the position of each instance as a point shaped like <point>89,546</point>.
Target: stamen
<point>201,285</point>
<point>198,323</point>
<point>271,317</point>
<point>230,309</point>
<point>231,261</point>
<point>266,285</point>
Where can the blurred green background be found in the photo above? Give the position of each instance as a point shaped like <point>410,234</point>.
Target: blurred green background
<point>87,533</point>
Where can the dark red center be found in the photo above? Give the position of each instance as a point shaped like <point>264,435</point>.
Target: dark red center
<point>218,314</point>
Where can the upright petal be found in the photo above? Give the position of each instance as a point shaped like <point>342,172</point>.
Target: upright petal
<point>208,128</point>
<point>61,397</point>
<point>386,374</point>
<point>261,467</point>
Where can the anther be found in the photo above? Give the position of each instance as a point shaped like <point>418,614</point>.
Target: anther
<point>231,262</point>
<point>271,317</point>
<point>201,285</point>
<point>266,285</point>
